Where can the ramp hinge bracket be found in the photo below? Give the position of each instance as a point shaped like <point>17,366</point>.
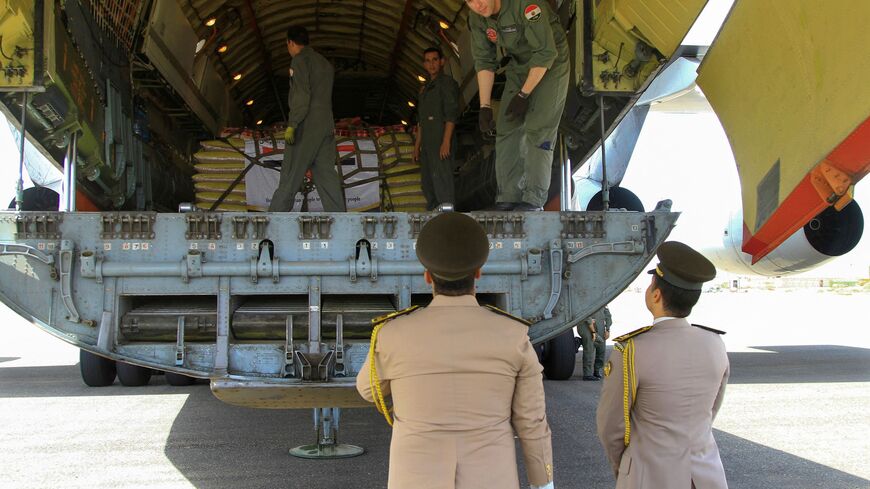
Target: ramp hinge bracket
<point>556,254</point>
<point>179,342</point>
<point>289,369</point>
<point>339,369</point>
<point>66,258</point>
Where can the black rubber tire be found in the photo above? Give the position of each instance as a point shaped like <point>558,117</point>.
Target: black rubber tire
<point>178,380</point>
<point>133,375</point>
<point>96,371</point>
<point>560,357</point>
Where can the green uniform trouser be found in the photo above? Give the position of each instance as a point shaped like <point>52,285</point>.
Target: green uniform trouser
<point>593,351</point>
<point>436,174</point>
<point>317,152</point>
<point>524,149</point>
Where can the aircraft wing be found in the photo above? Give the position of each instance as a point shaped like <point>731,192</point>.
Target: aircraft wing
<point>788,81</point>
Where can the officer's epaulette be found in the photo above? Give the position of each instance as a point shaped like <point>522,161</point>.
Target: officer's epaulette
<point>394,315</point>
<point>507,314</point>
<point>631,335</point>
<point>709,329</point>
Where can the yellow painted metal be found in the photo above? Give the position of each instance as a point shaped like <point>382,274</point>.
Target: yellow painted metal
<point>283,395</point>
<point>788,81</point>
<point>18,43</point>
<point>618,27</point>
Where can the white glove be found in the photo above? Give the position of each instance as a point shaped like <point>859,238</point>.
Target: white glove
<point>549,485</point>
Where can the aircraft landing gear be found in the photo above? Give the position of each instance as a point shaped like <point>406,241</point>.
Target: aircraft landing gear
<point>326,423</point>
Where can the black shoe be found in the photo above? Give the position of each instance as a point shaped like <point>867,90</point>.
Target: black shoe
<point>591,377</point>
<point>598,376</point>
<point>577,344</point>
<point>503,206</point>
<point>526,207</point>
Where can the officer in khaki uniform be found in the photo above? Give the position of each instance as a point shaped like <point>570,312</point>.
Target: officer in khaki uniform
<point>435,146</point>
<point>664,385</point>
<point>463,378</point>
<point>310,134</point>
<point>534,94</point>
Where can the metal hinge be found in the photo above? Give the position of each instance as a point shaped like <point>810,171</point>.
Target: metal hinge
<point>38,226</point>
<point>316,227</point>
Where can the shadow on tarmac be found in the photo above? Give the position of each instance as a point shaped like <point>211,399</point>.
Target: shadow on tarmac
<point>8,359</point>
<point>216,446</point>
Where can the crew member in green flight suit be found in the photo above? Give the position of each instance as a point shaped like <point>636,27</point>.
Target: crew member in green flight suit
<point>438,109</point>
<point>310,134</point>
<point>534,94</point>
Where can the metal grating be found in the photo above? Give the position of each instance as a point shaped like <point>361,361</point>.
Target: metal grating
<point>118,17</point>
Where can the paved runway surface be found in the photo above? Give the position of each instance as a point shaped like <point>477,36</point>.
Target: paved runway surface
<point>795,416</point>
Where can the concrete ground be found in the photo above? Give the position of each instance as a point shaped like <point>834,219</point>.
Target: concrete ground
<point>796,412</point>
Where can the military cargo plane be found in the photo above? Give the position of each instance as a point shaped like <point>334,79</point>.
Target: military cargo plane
<point>275,309</point>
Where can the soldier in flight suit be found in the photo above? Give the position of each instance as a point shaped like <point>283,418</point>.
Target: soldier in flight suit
<point>310,134</point>
<point>463,378</point>
<point>438,108</point>
<point>664,384</point>
<point>534,94</point>
<point>594,331</point>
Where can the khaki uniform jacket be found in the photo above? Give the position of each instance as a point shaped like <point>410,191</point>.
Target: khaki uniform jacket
<point>462,378</point>
<point>681,373</point>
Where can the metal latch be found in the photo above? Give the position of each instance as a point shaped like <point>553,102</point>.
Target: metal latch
<point>289,369</point>
<point>127,226</point>
<point>317,227</point>
<point>203,226</point>
<point>38,226</point>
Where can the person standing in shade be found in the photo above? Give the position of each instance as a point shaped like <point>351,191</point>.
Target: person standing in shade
<point>594,331</point>
<point>434,148</point>
<point>310,135</point>
<point>664,384</point>
<point>534,94</point>
<point>463,378</point>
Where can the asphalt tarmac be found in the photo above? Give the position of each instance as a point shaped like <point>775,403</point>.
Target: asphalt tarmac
<point>795,415</point>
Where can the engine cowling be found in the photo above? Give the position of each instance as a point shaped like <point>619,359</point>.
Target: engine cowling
<point>830,234</point>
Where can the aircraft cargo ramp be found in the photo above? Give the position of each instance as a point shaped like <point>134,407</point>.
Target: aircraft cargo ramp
<point>276,309</point>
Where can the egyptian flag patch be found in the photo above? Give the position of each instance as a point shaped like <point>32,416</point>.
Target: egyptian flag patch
<point>533,13</point>
<point>491,34</point>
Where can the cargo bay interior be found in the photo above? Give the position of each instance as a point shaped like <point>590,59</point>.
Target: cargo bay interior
<point>151,85</point>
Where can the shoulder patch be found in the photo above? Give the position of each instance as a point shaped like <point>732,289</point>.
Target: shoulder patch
<point>713,330</point>
<point>507,314</point>
<point>532,13</point>
<point>394,315</point>
<point>491,34</point>
<point>634,333</point>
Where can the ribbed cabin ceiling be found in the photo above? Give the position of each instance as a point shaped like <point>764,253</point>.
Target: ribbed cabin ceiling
<point>375,45</point>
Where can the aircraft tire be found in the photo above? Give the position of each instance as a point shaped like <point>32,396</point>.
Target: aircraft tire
<point>133,375</point>
<point>178,380</point>
<point>560,357</point>
<point>96,371</point>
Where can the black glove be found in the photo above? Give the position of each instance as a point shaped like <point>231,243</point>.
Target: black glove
<point>518,107</point>
<point>484,119</point>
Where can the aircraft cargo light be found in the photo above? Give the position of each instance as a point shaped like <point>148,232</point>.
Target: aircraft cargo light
<point>237,76</point>
<point>211,22</point>
<point>249,102</point>
<point>223,48</point>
